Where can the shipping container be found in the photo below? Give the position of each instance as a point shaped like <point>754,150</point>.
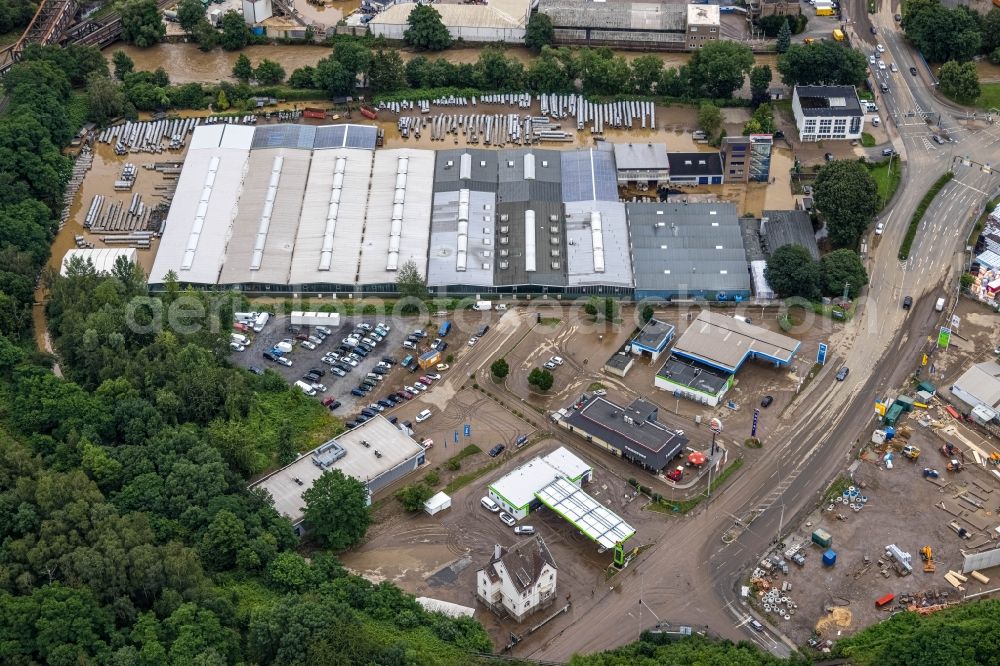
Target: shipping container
<point>829,558</point>
<point>429,359</point>
<point>310,112</point>
<point>822,538</point>
<point>884,600</point>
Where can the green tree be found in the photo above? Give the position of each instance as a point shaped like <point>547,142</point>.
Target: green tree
<point>495,71</point>
<point>602,72</point>
<point>205,35</point>
<point>336,511</point>
<point>222,540</point>
<point>991,30</point>
<point>718,69</point>
<point>189,14</point>
<point>426,29</point>
<point>539,33</point>
<point>106,100</point>
<point>760,80</point>
<point>546,74</point>
<point>235,32</point>
<point>330,75</point>
<point>943,34</point>
<point>541,379</point>
<point>123,64</point>
<point>499,368</point>
<point>791,271</point>
<point>412,497</point>
<point>960,82</point>
<point>268,72</point>
<point>141,22</point>
<point>825,62</point>
<point>222,102</point>
<point>762,121</point>
<point>647,313</point>
<point>710,119</point>
<point>303,77</point>
<point>412,287</point>
<point>386,71</point>
<point>647,71</point>
<point>842,267</point>
<point>847,197</point>
<point>242,69</point>
<point>784,37</point>
<point>611,309</point>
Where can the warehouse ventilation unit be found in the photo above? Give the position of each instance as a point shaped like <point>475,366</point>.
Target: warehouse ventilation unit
<point>529,240</point>
<point>465,166</point>
<point>265,215</point>
<point>326,251</point>
<point>463,226</point>
<point>529,166</point>
<point>597,233</point>
<point>399,200</point>
<point>199,218</point>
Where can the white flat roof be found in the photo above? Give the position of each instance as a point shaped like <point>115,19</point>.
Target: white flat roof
<point>388,243</point>
<point>703,14</point>
<point>519,486</point>
<point>585,513</point>
<point>103,259</point>
<point>445,607</point>
<point>360,462</point>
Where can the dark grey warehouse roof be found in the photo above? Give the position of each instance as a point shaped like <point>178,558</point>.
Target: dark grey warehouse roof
<point>477,170</point>
<point>549,248</point>
<point>788,227</point>
<point>695,164</point>
<point>687,247</point>
<point>839,101</point>
<point>526,175</point>
<point>696,375</point>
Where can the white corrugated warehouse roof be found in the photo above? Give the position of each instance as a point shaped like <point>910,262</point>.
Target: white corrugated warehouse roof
<point>333,213</point>
<point>103,259</point>
<point>597,244</point>
<point>204,205</point>
<point>495,14</point>
<point>398,220</point>
<point>260,249</point>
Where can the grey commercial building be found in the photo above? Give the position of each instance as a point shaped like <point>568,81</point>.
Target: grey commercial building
<point>631,432</point>
<point>376,453</point>
<point>787,227</point>
<point>653,338</point>
<point>827,112</point>
<point>642,163</point>
<point>690,250</point>
<point>654,25</point>
<point>685,378</point>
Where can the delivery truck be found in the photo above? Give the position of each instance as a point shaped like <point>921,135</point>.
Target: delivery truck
<point>483,306</point>
<point>939,305</point>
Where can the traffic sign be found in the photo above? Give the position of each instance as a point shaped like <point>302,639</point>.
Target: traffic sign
<point>715,425</point>
<point>821,353</point>
<point>944,337</point>
<point>456,436</point>
<point>753,430</point>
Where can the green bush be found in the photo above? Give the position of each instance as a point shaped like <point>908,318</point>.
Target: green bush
<point>454,464</point>
<point>432,478</point>
<point>918,214</point>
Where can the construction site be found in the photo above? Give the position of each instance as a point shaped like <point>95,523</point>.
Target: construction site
<point>912,525</point>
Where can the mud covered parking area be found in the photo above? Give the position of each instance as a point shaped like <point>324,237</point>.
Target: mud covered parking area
<point>303,359</point>
<point>902,508</point>
<point>438,556</point>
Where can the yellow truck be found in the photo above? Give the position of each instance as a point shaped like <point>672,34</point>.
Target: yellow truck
<point>838,34</point>
<point>824,11</point>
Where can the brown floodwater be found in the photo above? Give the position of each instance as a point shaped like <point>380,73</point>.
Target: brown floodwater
<point>186,63</point>
<point>327,13</point>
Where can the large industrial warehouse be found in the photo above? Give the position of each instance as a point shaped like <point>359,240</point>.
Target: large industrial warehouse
<point>317,209</point>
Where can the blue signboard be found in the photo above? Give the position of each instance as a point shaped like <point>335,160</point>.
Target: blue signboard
<point>456,436</point>
<point>753,429</point>
<point>821,354</point>
<point>468,429</point>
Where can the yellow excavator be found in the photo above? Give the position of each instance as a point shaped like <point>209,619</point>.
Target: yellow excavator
<point>927,555</point>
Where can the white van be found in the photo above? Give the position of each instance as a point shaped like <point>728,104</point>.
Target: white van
<point>500,307</point>
<point>240,339</point>
<point>306,388</point>
<point>490,505</point>
<point>939,306</point>
<point>261,321</point>
<point>408,345</point>
<point>424,415</point>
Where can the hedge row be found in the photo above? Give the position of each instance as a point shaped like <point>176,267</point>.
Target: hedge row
<point>918,214</point>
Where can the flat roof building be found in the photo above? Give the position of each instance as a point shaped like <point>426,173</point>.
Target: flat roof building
<point>700,168</point>
<point>703,23</point>
<point>747,159</point>
<point>979,386</point>
<point>827,112</point>
<point>659,26</point>
<point>597,251</point>
<point>682,250</point>
<point>787,227</point>
<point>376,453</point>
<point>653,338</point>
<point>642,163</point>
<point>631,432</point>
<point>725,343</point>
<point>695,381</point>
<point>515,491</point>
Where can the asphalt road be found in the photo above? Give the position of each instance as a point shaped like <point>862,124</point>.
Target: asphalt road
<point>693,573</point>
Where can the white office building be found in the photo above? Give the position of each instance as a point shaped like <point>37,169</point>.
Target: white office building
<point>827,112</point>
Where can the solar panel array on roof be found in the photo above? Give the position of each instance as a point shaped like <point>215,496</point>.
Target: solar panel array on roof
<point>284,136</point>
<point>585,513</point>
<point>588,175</point>
<point>360,136</point>
<point>311,137</point>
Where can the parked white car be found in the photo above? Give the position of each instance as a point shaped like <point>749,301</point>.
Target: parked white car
<point>424,415</point>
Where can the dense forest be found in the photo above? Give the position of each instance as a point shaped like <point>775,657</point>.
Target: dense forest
<point>129,536</point>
